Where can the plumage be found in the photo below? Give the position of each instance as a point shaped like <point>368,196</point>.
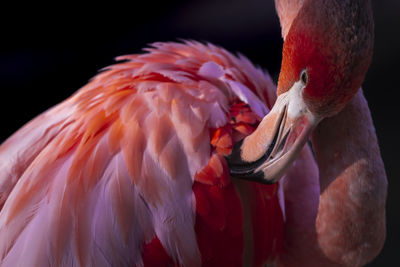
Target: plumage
<point>185,156</point>
<point>117,161</point>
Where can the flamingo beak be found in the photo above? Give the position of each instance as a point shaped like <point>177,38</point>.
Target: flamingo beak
<point>266,154</point>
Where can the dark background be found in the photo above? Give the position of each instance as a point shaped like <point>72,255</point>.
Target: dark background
<point>48,52</point>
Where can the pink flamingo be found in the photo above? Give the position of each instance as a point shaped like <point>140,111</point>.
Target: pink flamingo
<point>135,168</point>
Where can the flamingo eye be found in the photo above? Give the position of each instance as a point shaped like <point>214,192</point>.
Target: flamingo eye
<point>304,77</point>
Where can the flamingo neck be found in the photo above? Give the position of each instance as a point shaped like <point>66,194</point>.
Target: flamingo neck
<point>287,11</point>
<point>351,216</point>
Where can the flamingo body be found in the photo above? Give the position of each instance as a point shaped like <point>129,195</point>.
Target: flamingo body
<point>152,162</point>
<point>130,170</point>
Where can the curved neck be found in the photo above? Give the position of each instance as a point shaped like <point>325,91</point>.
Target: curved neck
<point>287,11</point>
<point>351,215</point>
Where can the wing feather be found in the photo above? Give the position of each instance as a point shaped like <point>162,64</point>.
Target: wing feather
<point>93,180</point>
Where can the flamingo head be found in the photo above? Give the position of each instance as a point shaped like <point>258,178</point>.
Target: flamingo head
<point>326,54</point>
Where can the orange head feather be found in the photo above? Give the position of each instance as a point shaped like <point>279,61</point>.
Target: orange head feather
<point>332,41</point>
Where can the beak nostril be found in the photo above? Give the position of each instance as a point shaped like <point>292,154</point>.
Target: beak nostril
<point>267,154</point>
<point>283,142</point>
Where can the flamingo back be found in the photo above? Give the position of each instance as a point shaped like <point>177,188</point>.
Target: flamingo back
<point>130,170</point>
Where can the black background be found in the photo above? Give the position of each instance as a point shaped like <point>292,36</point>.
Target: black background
<point>48,52</point>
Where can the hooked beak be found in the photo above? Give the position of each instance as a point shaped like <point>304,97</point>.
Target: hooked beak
<point>265,155</point>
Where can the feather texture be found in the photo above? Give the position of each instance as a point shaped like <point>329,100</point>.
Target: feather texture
<point>132,164</point>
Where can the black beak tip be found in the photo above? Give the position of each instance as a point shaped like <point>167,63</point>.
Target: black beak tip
<point>245,170</point>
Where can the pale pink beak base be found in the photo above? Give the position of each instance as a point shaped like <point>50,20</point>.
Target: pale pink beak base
<point>266,155</point>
